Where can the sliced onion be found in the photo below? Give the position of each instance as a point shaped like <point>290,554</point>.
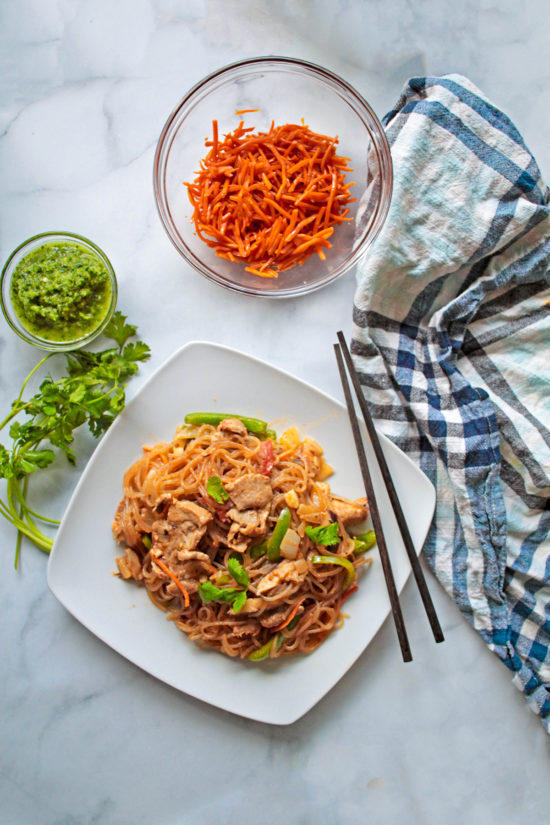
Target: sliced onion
<point>290,544</point>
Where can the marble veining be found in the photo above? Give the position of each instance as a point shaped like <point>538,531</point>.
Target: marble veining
<point>85,88</point>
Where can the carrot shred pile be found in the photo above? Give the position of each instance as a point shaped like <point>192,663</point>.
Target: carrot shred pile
<point>270,199</point>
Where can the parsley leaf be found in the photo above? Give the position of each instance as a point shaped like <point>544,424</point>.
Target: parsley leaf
<point>136,351</point>
<point>211,593</point>
<point>216,490</point>
<point>223,595</point>
<point>324,535</point>
<point>239,602</point>
<point>235,596</point>
<point>118,330</point>
<point>237,571</point>
<point>91,392</point>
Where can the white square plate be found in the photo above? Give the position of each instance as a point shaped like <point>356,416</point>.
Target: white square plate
<point>204,376</point>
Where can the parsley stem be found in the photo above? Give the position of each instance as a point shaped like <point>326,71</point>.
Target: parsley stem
<point>45,519</point>
<point>13,413</point>
<point>35,536</point>
<point>17,405</point>
<point>28,511</point>
<point>31,373</point>
<point>18,549</point>
<point>14,493</point>
<point>19,533</point>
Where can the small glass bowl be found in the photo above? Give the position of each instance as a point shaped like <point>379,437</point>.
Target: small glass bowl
<point>7,304</point>
<point>285,90</point>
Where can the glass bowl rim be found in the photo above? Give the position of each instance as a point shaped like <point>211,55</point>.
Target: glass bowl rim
<point>374,127</point>
<point>25,334</point>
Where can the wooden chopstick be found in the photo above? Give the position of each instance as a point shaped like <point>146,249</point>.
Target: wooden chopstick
<point>377,524</point>
<point>392,493</point>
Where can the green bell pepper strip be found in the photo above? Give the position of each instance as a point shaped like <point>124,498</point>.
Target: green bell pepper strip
<point>222,578</point>
<point>258,550</point>
<point>274,541</point>
<point>263,652</point>
<point>147,541</point>
<point>292,624</point>
<point>253,425</point>
<point>345,563</point>
<point>364,542</point>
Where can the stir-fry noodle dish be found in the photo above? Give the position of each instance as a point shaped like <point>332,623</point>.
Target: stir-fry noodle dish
<point>235,533</point>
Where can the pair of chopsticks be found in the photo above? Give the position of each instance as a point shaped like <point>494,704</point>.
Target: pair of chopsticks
<point>341,349</point>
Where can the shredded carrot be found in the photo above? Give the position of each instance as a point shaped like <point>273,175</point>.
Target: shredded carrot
<point>270,199</point>
<point>289,617</point>
<point>215,138</point>
<point>174,579</point>
<point>244,111</point>
<point>348,593</point>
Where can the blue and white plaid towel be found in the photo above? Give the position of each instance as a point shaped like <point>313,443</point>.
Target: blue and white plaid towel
<point>452,340</point>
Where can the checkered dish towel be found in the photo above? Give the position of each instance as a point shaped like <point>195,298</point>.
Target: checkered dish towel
<point>452,340</point>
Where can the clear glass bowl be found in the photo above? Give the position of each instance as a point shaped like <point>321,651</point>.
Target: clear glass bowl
<point>7,304</point>
<point>285,90</point>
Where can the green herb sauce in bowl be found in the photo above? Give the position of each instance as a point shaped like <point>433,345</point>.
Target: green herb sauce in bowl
<point>58,291</point>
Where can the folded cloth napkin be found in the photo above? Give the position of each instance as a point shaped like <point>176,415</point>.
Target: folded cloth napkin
<point>452,341</point>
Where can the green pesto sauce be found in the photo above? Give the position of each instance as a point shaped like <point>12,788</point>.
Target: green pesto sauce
<point>61,291</point>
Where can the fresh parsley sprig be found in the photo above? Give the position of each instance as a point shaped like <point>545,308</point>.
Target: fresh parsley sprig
<point>216,490</point>
<point>237,570</point>
<point>225,595</point>
<point>92,392</point>
<point>327,535</point>
<point>235,596</point>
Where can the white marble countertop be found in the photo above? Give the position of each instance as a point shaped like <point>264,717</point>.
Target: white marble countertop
<point>86,737</point>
